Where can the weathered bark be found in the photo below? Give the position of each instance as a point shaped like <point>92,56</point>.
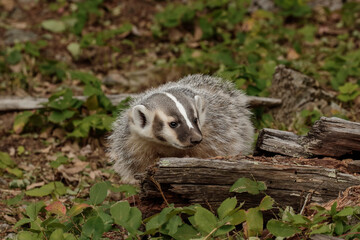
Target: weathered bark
<point>30,103</point>
<point>332,137</point>
<point>299,92</point>
<point>207,181</point>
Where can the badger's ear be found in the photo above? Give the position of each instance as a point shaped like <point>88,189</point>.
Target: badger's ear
<point>201,109</point>
<point>141,116</point>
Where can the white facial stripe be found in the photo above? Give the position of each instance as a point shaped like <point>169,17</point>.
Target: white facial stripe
<point>180,108</point>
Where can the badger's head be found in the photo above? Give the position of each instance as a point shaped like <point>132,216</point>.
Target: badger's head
<point>171,118</point>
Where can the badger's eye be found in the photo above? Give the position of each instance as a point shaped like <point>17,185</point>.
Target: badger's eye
<point>173,124</point>
<point>195,120</point>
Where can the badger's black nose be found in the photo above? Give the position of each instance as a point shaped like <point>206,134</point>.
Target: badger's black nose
<point>195,140</point>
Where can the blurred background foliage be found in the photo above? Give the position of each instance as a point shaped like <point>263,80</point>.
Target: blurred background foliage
<point>96,47</point>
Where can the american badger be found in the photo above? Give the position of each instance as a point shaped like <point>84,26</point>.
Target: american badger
<point>198,116</point>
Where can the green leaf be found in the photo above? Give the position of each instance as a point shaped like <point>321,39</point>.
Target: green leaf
<point>224,230</point>
<point>93,228</point>
<point>238,217</point>
<point>15,171</point>
<point>74,49</point>
<point>204,219</point>
<point>254,221</point>
<point>173,224</point>
<point>107,220</point>
<point>22,222</point>
<point>59,161</point>
<point>21,120</point>
<point>6,160</point>
<point>28,236</point>
<point>347,211</point>
<point>126,216</point>
<point>281,229</point>
<point>333,209</point>
<point>52,25</point>
<point>120,211</point>
<point>14,57</point>
<point>226,207</point>
<point>15,200</point>
<point>60,116</point>
<point>339,227</point>
<point>248,185</point>
<point>58,234</point>
<point>33,209</point>
<point>266,203</point>
<point>98,193</point>
<point>323,229</point>
<point>185,232</point>
<point>77,209</point>
<point>42,191</point>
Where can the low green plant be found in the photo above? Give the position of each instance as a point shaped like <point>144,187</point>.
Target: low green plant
<point>65,111</point>
<point>91,218</point>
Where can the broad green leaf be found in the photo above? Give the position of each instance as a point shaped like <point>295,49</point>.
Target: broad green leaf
<point>56,207</point>
<point>15,200</point>
<point>238,217</point>
<point>173,224</point>
<point>60,188</point>
<point>93,228</point>
<point>129,190</point>
<point>15,171</point>
<point>120,211</point>
<point>185,232</point>
<point>134,221</point>
<point>74,49</point>
<point>60,116</point>
<point>77,209</point>
<point>266,203</point>
<point>107,220</point>
<point>226,207</point>
<point>33,209</point>
<point>69,236</point>
<point>204,219</point>
<point>59,161</point>
<point>248,185</point>
<point>339,227</point>
<point>299,219</point>
<point>98,193</point>
<point>5,160</point>
<point>224,230</point>
<point>281,229</point>
<point>52,25</point>
<point>22,222</point>
<point>42,191</point>
<point>322,229</point>
<point>21,120</point>
<point>25,235</point>
<point>58,234</point>
<point>347,211</point>
<point>254,221</point>
<point>14,57</point>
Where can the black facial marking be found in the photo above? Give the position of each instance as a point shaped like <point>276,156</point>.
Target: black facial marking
<point>157,128</point>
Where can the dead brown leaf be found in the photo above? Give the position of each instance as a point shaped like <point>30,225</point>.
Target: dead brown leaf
<point>292,54</point>
<point>34,185</point>
<point>10,219</point>
<point>8,4</point>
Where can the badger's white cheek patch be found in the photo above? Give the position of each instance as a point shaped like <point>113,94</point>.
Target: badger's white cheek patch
<point>181,109</point>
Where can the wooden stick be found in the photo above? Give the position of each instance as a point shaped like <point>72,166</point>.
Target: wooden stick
<point>30,103</point>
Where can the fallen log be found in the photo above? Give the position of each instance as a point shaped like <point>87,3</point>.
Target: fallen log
<point>207,181</point>
<point>332,137</point>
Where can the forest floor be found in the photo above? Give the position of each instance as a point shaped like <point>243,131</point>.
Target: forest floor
<point>37,59</point>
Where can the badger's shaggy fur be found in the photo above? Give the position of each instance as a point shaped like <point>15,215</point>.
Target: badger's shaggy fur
<point>198,116</point>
